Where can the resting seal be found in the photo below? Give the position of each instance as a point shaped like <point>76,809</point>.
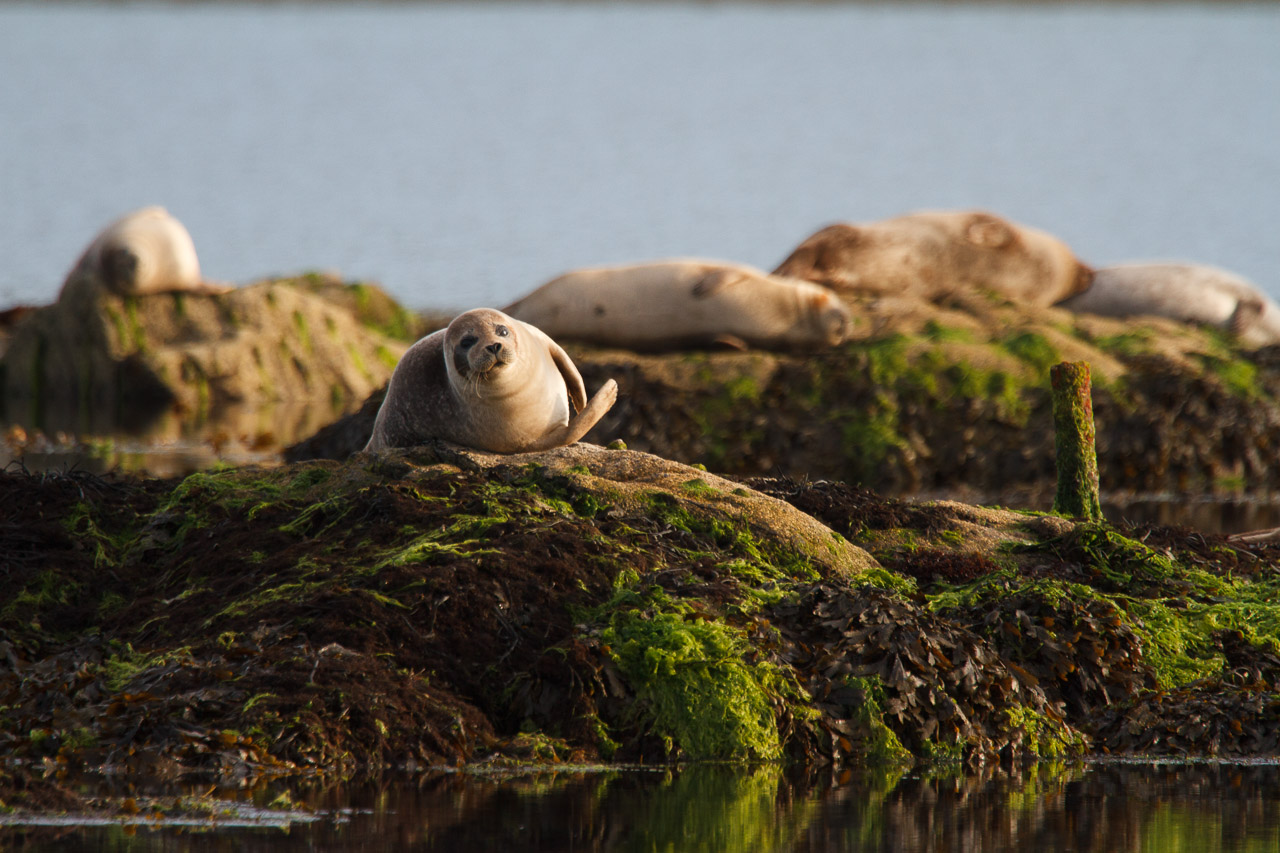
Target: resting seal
<point>934,254</point>
<point>1192,293</point>
<point>488,382</point>
<point>675,304</point>
<point>147,251</point>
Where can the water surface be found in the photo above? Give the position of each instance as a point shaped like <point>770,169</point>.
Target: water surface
<point>1116,807</point>
<point>463,153</point>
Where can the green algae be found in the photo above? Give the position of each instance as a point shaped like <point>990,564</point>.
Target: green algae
<point>696,690</point>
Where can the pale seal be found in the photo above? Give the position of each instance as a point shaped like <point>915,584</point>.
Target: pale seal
<point>1191,293</point>
<point>681,303</point>
<point>490,382</point>
<point>935,254</point>
<point>146,251</point>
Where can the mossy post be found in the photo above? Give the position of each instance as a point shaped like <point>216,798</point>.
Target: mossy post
<point>1073,439</point>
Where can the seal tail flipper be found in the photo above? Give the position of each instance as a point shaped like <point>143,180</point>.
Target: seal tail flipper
<point>581,423</point>
<point>1245,317</point>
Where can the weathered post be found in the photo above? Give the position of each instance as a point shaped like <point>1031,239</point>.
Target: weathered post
<point>1073,439</point>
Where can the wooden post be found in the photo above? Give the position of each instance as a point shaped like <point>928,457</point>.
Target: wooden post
<point>1073,439</point>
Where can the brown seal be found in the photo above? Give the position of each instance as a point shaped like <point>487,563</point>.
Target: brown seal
<point>146,251</point>
<point>489,382</point>
<point>934,254</point>
<point>675,304</point>
<point>1191,293</point>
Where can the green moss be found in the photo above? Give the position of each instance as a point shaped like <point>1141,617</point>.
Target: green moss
<point>137,334</point>
<point>1045,736</point>
<point>882,746</point>
<point>124,665</point>
<point>935,331</point>
<point>1032,348</point>
<point>694,688</point>
<point>699,486</point>
<point>387,357</point>
<point>179,305</point>
<point>768,559</point>
<point>304,332</point>
<point>868,437</point>
<point>358,361</point>
<point>1126,344</point>
<point>1238,375</point>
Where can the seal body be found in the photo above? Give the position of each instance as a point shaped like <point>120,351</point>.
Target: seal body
<point>490,382</point>
<point>1191,293</point>
<point>936,254</point>
<point>146,251</point>
<point>681,303</point>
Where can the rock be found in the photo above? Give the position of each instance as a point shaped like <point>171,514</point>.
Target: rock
<point>636,482</point>
<point>268,358</point>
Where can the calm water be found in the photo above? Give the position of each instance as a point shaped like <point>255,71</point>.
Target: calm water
<point>1207,808</point>
<point>463,153</point>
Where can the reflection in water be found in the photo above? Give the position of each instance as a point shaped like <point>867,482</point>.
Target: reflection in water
<point>1103,806</point>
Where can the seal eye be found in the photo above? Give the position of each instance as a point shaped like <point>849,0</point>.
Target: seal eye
<point>468,342</point>
<point>501,331</point>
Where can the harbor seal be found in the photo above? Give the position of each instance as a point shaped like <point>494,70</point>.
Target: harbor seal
<point>1191,293</point>
<point>146,251</point>
<point>490,382</point>
<point>934,254</point>
<point>681,303</point>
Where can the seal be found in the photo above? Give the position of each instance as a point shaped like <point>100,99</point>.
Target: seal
<point>490,382</point>
<point>146,251</point>
<point>936,254</point>
<point>1190,293</point>
<point>676,304</point>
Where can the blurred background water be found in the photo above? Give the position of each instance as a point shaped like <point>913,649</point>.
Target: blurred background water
<point>461,154</point>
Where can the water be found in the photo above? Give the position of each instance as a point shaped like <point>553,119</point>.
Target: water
<point>464,153</point>
<point>1209,808</point>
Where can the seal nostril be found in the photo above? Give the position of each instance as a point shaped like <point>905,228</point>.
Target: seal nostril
<point>494,347</point>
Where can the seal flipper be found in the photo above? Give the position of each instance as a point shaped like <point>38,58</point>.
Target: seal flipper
<point>581,423</point>
<point>1246,315</point>
<point>728,341</point>
<point>572,378</point>
<point>714,281</point>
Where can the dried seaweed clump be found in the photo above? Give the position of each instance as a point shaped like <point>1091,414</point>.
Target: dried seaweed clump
<point>947,693</point>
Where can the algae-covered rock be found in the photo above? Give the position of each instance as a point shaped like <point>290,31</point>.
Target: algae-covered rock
<point>97,362</point>
<point>643,484</point>
<point>439,606</point>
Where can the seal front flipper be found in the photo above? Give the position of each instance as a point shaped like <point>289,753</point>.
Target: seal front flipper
<point>581,423</point>
<point>727,341</point>
<point>714,281</point>
<point>572,378</point>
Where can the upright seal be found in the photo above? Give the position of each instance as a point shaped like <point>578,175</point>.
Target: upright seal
<point>490,382</point>
<point>1191,293</point>
<point>934,254</point>
<point>146,251</point>
<point>676,304</point>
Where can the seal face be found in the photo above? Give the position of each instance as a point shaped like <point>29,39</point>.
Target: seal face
<point>490,382</point>
<point>682,303</point>
<point>1190,293</point>
<point>934,254</point>
<point>146,251</point>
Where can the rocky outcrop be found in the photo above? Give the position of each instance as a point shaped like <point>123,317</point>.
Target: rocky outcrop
<point>275,358</point>
<point>947,400</point>
<point>440,606</point>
